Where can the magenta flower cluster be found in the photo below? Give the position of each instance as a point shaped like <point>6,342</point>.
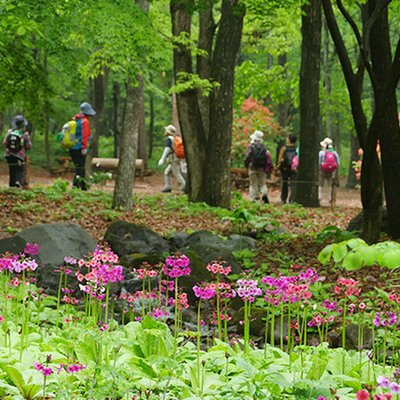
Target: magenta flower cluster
<point>204,291</point>
<point>248,289</point>
<point>46,370</point>
<point>17,263</point>
<point>101,270</point>
<point>391,384</point>
<point>176,266</point>
<point>31,249</point>
<point>289,289</point>
<point>386,319</point>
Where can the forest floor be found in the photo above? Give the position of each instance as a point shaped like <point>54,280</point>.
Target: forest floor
<point>152,183</point>
<point>308,225</point>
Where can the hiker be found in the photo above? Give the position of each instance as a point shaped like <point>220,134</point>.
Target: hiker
<point>328,161</point>
<point>16,142</point>
<point>174,154</point>
<point>259,163</point>
<point>79,150</point>
<point>287,165</point>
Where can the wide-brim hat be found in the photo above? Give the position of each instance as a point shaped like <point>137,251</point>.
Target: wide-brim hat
<point>326,142</point>
<point>19,122</point>
<point>87,109</point>
<point>257,136</point>
<point>170,129</point>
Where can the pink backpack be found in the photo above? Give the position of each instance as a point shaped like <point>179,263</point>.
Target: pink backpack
<point>330,164</point>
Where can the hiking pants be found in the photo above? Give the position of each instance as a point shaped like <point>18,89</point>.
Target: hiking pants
<point>174,169</point>
<point>258,183</point>
<point>329,179</point>
<point>79,161</point>
<point>288,186</point>
<point>16,170</point>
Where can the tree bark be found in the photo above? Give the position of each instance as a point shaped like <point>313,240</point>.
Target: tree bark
<point>385,124</point>
<point>207,133</point>
<point>327,84</point>
<point>142,151</point>
<point>371,176</point>
<point>307,193</point>
<point>151,125</point>
<point>283,108</point>
<point>116,120</point>
<point>129,141</point>
<point>100,86</point>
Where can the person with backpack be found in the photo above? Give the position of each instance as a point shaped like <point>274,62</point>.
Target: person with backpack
<point>328,161</point>
<point>259,164</point>
<point>175,155</point>
<point>288,162</point>
<point>16,142</point>
<point>80,149</point>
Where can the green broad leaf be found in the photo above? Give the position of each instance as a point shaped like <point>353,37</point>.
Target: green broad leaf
<point>339,252</point>
<point>28,391</point>
<point>369,255</point>
<point>348,381</point>
<point>246,366</point>
<point>153,343</point>
<point>352,261</point>
<point>391,259</point>
<point>21,30</point>
<point>325,254</point>
<point>317,368</point>
<point>146,368</point>
<point>355,243</point>
<point>87,351</point>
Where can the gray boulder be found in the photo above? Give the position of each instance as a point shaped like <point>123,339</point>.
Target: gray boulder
<point>126,238</point>
<point>210,247</point>
<point>56,241</point>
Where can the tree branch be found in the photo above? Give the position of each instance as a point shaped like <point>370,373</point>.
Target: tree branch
<point>360,40</point>
<point>338,40</point>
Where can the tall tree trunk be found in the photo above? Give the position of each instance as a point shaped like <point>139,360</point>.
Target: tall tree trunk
<point>208,140</point>
<point>307,193</point>
<point>116,120</point>
<point>129,140</point>
<point>151,125</point>
<point>175,115</point>
<point>142,152</point>
<point>99,87</point>
<point>371,176</point>
<point>283,108</point>
<point>327,82</point>
<point>385,124</point>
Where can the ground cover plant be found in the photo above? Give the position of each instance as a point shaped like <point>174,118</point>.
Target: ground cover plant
<point>279,330</point>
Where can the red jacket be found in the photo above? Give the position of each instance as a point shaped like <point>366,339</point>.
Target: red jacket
<point>82,131</point>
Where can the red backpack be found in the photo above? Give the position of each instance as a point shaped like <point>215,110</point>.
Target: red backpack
<point>179,149</point>
<point>330,164</point>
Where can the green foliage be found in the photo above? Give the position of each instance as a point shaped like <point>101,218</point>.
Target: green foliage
<point>252,116</point>
<point>186,81</point>
<point>354,254</point>
<point>100,178</point>
<point>246,257</point>
<point>333,233</point>
<point>245,220</point>
<point>28,390</point>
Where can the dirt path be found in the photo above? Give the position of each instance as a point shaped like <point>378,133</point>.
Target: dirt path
<point>153,183</point>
